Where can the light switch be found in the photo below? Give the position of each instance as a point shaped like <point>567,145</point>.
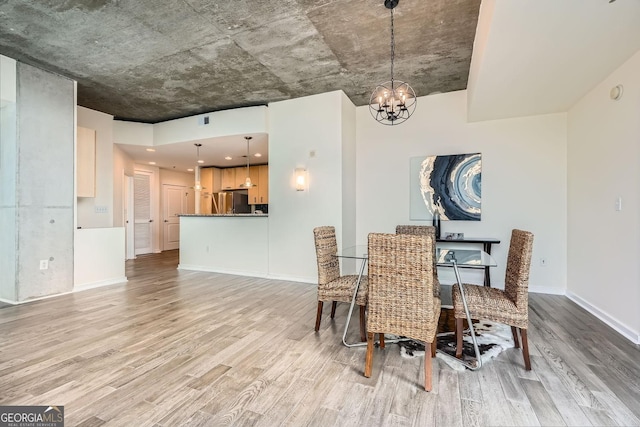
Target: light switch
<point>619,204</point>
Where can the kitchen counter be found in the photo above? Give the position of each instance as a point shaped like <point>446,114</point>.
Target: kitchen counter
<point>226,215</point>
<point>227,244</point>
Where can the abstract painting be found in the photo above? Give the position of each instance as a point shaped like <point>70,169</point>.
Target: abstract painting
<point>450,185</point>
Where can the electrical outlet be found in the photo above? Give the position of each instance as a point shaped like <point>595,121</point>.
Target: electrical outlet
<point>543,262</point>
<point>44,264</point>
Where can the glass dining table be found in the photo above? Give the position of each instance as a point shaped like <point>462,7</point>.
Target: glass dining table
<point>445,257</point>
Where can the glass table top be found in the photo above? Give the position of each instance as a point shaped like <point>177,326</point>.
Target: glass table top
<point>444,257</point>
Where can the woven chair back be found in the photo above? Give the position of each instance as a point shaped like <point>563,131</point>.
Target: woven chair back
<point>326,249</point>
<point>417,230</point>
<point>401,285</point>
<point>420,230</point>
<point>518,265</point>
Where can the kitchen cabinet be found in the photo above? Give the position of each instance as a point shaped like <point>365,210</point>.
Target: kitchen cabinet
<point>241,177</point>
<point>228,178</point>
<point>263,187</point>
<point>259,194</point>
<point>210,179</point>
<point>86,162</point>
<point>254,192</point>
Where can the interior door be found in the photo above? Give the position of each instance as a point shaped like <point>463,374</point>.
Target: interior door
<point>128,208</point>
<point>143,230</point>
<point>175,203</point>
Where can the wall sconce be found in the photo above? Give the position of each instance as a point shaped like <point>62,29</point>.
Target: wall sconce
<point>301,179</point>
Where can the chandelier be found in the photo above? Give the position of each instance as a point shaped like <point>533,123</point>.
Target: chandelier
<point>394,101</point>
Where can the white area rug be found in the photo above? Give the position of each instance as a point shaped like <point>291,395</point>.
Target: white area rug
<point>492,339</point>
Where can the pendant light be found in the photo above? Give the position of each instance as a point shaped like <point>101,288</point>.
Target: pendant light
<point>198,186</point>
<point>247,181</point>
<point>392,102</point>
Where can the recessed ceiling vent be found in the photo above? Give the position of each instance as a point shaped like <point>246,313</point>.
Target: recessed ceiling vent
<point>203,120</point>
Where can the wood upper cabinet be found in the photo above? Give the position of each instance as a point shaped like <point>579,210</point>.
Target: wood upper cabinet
<point>259,194</point>
<point>263,184</point>
<point>254,192</point>
<point>241,176</point>
<point>86,162</point>
<point>234,178</point>
<point>206,180</point>
<point>216,180</point>
<point>228,178</point>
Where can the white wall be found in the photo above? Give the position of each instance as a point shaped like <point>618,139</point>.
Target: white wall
<point>132,133</point>
<point>87,217</point>
<point>221,123</point>
<point>604,244</point>
<point>98,257</point>
<point>523,178</point>
<point>233,245</point>
<point>297,127</point>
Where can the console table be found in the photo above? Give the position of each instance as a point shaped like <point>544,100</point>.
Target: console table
<point>486,243</point>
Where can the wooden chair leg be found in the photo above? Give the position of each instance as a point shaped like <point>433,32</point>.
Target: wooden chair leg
<point>459,332</point>
<point>363,326</point>
<point>514,332</point>
<point>525,349</point>
<point>368,361</point>
<point>434,346</point>
<point>319,316</point>
<point>381,336</point>
<point>333,309</point>
<point>427,372</point>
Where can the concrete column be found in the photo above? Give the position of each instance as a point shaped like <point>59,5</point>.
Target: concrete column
<point>37,186</point>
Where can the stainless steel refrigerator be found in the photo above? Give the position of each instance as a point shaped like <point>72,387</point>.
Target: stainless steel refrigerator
<point>230,202</point>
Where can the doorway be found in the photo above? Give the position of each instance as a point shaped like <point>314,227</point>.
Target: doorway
<point>175,202</point>
<point>143,212</point>
<point>127,212</point>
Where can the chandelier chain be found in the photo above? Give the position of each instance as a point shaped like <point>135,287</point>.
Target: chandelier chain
<point>393,48</point>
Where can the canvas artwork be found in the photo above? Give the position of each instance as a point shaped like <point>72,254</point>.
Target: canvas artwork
<point>450,185</point>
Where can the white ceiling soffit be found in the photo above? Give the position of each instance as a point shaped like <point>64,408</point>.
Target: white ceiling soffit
<point>541,56</point>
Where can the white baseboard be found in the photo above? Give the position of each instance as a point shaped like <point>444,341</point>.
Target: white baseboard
<point>99,284</point>
<point>259,274</point>
<point>287,278</point>
<point>208,269</point>
<point>547,290</point>
<point>622,329</point>
<point>33,299</point>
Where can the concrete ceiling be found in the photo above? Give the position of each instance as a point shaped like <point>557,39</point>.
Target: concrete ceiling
<point>151,61</point>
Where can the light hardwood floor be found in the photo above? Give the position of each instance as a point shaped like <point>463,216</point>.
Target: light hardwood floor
<point>173,348</point>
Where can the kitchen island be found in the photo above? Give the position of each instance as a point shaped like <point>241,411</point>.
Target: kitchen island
<point>225,243</point>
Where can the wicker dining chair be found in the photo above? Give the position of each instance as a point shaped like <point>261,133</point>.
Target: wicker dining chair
<point>424,230</point>
<point>401,299</point>
<point>331,285</point>
<point>511,306</point>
